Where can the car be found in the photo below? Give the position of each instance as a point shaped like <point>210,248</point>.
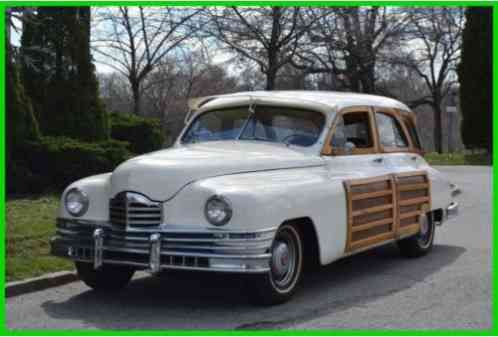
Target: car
<point>262,184</point>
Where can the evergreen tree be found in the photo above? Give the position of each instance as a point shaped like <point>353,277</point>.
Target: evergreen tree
<point>475,77</point>
<point>21,122</point>
<point>59,74</point>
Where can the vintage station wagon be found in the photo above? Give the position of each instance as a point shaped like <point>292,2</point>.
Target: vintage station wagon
<point>260,183</point>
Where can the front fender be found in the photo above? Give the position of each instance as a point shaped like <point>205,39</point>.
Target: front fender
<point>263,200</point>
<point>98,190</point>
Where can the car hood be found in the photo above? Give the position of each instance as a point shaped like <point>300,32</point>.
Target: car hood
<point>160,175</point>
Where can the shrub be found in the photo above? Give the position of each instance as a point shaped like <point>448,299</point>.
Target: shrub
<point>55,162</point>
<point>143,134</point>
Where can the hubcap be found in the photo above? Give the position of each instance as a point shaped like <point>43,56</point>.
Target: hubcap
<point>284,259</point>
<point>280,259</point>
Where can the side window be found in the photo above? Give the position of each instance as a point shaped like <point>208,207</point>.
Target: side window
<point>390,131</point>
<point>355,128</point>
<point>410,126</point>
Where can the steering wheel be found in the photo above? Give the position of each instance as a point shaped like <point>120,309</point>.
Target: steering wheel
<point>293,135</point>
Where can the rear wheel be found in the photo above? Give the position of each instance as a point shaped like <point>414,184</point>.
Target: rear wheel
<point>286,265</point>
<point>106,278</point>
<point>422,243</point>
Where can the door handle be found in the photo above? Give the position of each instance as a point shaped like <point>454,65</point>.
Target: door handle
<point>414,158</point>
<point>378,160</point>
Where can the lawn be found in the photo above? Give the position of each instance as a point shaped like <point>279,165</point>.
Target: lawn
<point>458,159</point>
<point>30,223</point>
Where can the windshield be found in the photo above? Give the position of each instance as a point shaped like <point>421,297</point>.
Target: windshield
<point>270,124</point>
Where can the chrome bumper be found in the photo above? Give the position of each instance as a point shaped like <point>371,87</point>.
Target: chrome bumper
<point>451,211</point>
<point>164,248</point>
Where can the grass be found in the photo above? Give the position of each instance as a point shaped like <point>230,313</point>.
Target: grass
<point>30,224</point>
<point>458,158</point>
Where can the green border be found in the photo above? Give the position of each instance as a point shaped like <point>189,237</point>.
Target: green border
<point>4,331</point>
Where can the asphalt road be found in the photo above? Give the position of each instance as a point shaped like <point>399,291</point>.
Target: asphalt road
<point>448,289</point>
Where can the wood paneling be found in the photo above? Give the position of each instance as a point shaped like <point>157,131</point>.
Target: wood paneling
<point>414,198</point>
<point>371,211</point>
<point>385,207</point>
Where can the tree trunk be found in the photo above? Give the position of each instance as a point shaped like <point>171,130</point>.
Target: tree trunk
<point>135,89</point>
<point>368,79</point>
<point>438,127</point>
<point>270,80</point>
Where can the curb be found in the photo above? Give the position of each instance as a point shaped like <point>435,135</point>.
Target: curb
<point>39,283</point>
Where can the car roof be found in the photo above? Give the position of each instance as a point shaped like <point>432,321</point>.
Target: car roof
<point>333,99</point>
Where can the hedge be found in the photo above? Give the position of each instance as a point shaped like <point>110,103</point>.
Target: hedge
<point>143,134</point>
<point>54,162</point>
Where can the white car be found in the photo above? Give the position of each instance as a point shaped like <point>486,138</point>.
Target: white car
<point>260,183</point>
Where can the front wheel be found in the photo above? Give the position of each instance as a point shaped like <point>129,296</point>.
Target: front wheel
<point>422,243</point>
<point>286,265</point>
<point>106,278</point>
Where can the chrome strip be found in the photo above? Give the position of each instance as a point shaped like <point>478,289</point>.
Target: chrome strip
<point>98,236</point>
<point>160,248</point>
<point>155,253</point>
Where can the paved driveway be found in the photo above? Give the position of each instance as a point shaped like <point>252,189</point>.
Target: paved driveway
<point>449,289</point>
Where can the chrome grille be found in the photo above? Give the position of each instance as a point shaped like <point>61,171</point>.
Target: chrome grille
<point>129,209</point>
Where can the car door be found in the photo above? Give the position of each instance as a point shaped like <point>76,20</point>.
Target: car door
<point>352,154</point>
<point>394,143</point>
<point>403,162</point>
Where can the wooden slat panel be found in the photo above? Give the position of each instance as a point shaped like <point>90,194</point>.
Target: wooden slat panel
<point>413,201</point>
<point>409,214</point>
<point>372,240</point>
<point>372,210</point>
<point>390,203</point>
<point>413,187</point>
<point>370,195</point>
<point>409,229</point>
<point>369,225</point>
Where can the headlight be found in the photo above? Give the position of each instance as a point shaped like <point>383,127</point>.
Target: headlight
<point>217,210</point>
<point>76,202</point>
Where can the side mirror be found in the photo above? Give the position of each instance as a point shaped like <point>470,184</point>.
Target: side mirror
<point>349,147</point>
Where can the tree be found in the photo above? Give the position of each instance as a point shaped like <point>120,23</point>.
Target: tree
<point>433,56</point>
<point>59,74</point>
<point>134,40</point>
<point>22,124</point>
<point>349,43</point>
<point>267,36</point>
<point>475,77</point>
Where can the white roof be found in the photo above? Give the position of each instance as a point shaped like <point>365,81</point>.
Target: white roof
<point>332,99</point>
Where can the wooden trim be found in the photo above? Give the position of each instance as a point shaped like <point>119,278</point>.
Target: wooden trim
<point>371,241</point>
<point>368,195</point>
<point>407,230</point>
<point>394,113</point>
<point>376,210</point>
<point>371,210</point>
<point>359,228</point>
<point>415,201</point>
<point>327,149</point>
<point>399,188</point>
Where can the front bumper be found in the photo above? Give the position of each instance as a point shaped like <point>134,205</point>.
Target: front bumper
<point>166,247</point>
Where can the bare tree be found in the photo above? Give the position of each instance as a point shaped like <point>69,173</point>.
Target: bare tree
<point>349,43</point>
<point>134,40</point>
<point>433,55</point>
<point>267,36</point>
